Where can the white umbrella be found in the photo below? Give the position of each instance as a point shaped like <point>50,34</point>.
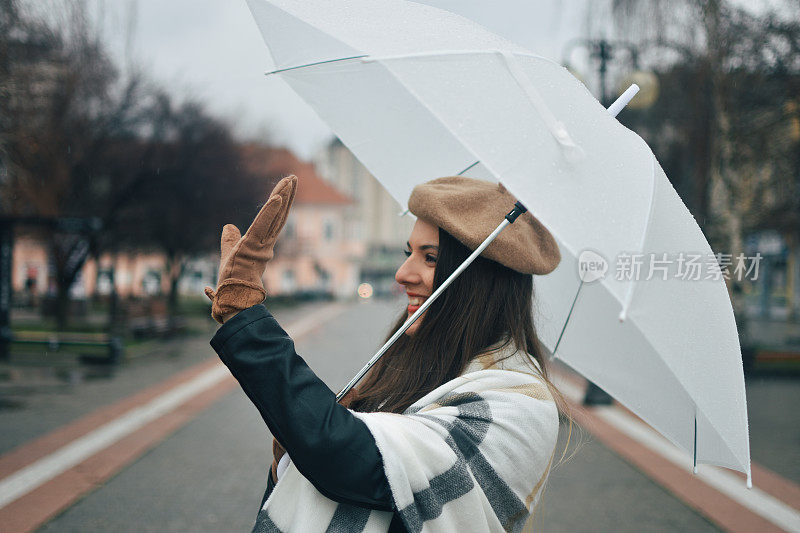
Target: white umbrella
<point>416,93</point>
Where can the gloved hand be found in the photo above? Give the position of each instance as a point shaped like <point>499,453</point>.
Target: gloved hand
<point>243,258</point>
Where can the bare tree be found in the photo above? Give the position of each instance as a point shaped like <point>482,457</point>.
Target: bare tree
<point>196,183</point>
<point>724,120</point>
<point>66,105</point>
<point>79,140</point>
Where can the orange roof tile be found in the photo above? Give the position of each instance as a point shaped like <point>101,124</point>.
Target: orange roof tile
<point>266,161</point>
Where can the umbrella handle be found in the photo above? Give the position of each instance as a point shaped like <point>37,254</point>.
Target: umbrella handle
<point>509,219</point>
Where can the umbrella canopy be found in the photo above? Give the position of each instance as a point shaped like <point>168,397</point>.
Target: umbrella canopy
<point>417,93</point>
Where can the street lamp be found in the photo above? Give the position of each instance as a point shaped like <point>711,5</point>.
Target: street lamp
<point>604,51</point>
<point>648,88</point>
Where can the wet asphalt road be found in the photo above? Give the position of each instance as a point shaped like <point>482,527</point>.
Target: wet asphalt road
<point>210,474</point>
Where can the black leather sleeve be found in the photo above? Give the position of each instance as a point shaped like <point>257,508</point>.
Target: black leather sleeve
<point>329,445</point>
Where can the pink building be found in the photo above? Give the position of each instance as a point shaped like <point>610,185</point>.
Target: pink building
<point>138,272</point>
<point>319,251</point>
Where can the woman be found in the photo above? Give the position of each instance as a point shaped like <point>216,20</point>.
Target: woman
<point>454,429</point>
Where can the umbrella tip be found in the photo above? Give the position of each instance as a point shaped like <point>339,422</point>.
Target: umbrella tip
<point>694,469</point>
<point>749,480</point>
<point>622,315</point>
<point>623,100</point>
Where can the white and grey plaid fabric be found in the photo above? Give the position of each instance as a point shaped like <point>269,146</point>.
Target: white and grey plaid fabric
<point>472,455</point>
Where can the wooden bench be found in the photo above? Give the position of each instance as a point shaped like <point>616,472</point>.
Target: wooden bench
<point>150,318</point>
<point>53,360</point>
<point>110,347</point>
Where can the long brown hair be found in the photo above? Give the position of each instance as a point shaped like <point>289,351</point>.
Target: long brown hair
<point>486,304</point>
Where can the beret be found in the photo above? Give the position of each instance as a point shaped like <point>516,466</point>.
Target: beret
<point>470,209</point>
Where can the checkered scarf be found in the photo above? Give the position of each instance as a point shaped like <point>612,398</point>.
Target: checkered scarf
<point>472,455</point>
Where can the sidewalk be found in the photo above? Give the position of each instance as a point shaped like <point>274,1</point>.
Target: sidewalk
<point>773,504</point>
<point>90,464</point>
<point>41,477</point>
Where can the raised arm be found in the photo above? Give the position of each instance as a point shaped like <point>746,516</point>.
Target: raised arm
<point>329,445</point>
<point>332,448</point>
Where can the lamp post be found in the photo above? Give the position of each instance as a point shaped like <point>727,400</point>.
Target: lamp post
<point>604,51</point>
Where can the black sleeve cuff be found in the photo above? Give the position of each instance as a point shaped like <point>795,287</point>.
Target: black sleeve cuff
<point>240,320</point>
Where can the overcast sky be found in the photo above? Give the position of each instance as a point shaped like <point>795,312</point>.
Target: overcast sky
<point>213,50</point>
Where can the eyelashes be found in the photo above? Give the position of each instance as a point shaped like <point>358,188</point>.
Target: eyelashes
<point>429,258</point>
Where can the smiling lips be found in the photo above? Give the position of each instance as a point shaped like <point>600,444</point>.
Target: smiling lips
<point>415,301</point>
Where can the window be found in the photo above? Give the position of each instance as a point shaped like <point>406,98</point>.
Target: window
<point>151,282</point>
<point>287,281</point>
<point>324,279</point>
<point>328,230</point>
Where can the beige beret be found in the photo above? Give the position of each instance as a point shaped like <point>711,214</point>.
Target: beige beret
<point>470,209</point>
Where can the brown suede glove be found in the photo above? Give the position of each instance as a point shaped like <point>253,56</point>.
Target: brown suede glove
<point>244,258</point>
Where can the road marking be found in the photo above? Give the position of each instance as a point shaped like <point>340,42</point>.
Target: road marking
<point>35,508</point>
<point>45,469</point>
<point>727,483</point>
<point>95,440</point>
<point>37,448</point>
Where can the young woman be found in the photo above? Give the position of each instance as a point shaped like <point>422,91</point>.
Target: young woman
<point>454,428</point>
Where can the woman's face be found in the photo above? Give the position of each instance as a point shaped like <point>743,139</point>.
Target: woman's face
<point>416,274</point>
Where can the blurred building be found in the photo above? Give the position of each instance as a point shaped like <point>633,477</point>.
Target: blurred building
<point>375,216</point>
<point>136,273</point>
<point>776,291</point>
<point>320,250</point>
